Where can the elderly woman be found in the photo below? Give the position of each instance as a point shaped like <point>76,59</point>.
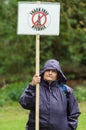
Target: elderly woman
<point>58,105</point>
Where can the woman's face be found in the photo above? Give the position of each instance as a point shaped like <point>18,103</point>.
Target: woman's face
<point>50,75</point>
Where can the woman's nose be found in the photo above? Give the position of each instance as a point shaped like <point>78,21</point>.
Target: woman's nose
<point>50,71</point>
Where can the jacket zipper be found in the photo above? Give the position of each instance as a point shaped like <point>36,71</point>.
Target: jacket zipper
<point>50,88</point>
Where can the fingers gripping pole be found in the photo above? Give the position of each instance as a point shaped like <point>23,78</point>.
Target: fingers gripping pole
<point>37,86</point>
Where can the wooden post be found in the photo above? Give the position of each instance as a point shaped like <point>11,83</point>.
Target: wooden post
<point>37,86</point>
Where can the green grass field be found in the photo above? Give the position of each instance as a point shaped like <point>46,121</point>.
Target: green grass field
<point>15,117</point>
<point>82,118</point>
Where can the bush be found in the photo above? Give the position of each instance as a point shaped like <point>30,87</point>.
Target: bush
<point>11,93</point>
<point>80,93</point>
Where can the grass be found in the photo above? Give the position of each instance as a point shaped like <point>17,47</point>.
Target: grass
<point>14,117</point>
<point>82,118</point>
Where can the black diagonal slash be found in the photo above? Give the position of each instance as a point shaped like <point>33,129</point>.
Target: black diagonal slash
<point>38,22</point>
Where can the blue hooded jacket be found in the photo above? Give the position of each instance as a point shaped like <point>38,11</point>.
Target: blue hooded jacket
<point>58,111</point>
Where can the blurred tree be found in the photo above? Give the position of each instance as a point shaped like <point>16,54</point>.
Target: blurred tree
<point>17,53</point>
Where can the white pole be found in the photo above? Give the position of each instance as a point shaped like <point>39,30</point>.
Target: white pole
<point>37,86</point>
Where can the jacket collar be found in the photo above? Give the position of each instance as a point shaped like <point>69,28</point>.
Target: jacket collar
<point>47,84</point>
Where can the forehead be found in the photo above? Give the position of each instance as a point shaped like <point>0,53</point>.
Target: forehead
<point>53,70</point>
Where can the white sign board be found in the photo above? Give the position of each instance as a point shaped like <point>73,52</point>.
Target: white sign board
<point>38,18</point>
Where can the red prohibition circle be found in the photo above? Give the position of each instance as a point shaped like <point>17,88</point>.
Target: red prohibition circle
<point>35,22</point>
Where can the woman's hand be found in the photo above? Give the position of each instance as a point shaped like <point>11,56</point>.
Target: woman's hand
<point>36,80</point>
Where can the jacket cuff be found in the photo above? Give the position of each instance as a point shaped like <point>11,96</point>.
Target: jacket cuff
<point>30,87</point>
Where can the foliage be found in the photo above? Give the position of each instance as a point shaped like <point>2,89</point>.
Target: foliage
<point>11,93</point>
<point>80,93</point>
<point>17,53</point>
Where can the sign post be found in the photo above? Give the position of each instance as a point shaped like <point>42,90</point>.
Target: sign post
<point>38,18</point>
<point>37,86</point>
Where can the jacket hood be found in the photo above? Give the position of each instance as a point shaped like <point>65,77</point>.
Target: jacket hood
<point>54,65</point>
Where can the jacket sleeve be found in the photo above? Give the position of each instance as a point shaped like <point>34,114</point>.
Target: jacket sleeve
<point>27,99</point>
<point>73,111</point>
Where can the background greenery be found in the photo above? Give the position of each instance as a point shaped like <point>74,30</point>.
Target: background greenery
<point>17,52</point>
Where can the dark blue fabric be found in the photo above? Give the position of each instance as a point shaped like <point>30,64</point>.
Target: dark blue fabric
<point>53,107</point>
<point>57,112</point>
